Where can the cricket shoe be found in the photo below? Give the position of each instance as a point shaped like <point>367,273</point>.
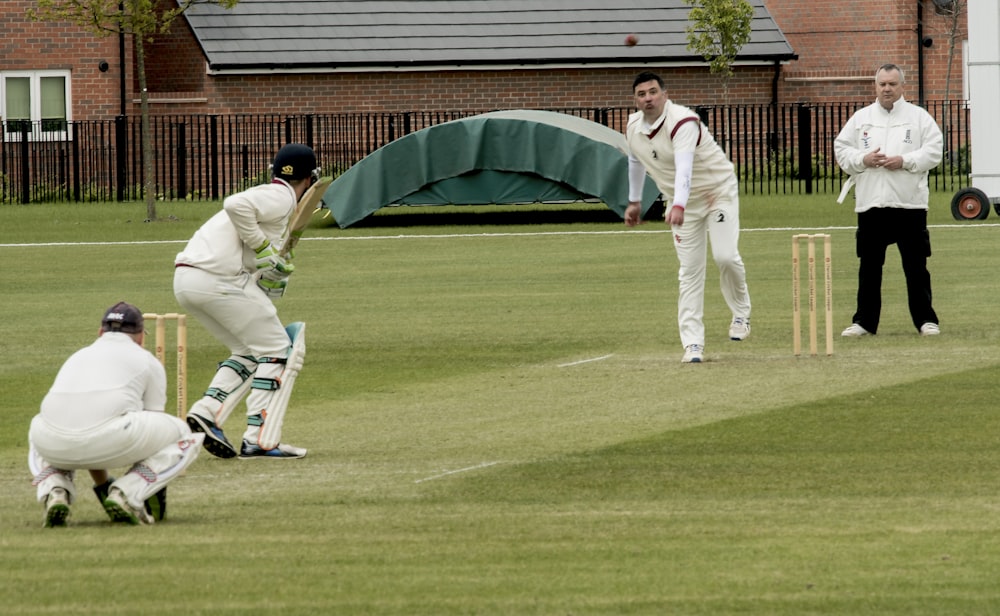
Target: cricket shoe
<point>854,331</point>
<point>929,329</point>
<point>250,451</point>
<point>739,329</point>
<point>56,508</point>
<point>120,510</point>
<point>693,354</point>
<point>215,442</point>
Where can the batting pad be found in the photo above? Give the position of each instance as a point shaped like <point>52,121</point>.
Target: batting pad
<point>274,413</point>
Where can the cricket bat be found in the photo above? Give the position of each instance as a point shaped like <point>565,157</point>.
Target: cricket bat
<point>310,203</point>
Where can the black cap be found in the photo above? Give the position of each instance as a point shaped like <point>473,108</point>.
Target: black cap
<point>294,161</point>
<point>122,317</point>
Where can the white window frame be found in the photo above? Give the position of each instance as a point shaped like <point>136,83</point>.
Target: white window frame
<point>35,93</point>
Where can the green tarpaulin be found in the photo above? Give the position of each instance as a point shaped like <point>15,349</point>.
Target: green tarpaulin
<point>502,157</point>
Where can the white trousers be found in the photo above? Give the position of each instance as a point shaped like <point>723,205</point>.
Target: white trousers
<point>241,316</point>
<point>154,439</point>
<point>714,219</point>
<point>234,310</point>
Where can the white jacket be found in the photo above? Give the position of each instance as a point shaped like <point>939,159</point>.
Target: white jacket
<point>908,130</point>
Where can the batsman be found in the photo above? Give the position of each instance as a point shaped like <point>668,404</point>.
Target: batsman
<point>227,277</point>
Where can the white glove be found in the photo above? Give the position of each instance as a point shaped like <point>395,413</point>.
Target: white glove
<point>268,259</point>
<point>273,283</point>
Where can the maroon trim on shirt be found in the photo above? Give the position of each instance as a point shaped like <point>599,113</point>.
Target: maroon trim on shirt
<point>685,121</point>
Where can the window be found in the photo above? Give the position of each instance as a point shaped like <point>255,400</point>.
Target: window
<point>38,102</point>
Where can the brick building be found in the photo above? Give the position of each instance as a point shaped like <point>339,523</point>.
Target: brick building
<point>840,43</point>
<point>262,58</point>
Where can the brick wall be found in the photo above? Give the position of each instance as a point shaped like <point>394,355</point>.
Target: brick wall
<point>839,42</point>
<point>27,45</point>
<point>174,60</point>
<point>842,42</point>
<point>458,90</point>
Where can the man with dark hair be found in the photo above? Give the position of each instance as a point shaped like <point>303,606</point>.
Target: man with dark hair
<point>887,148</point>
<point>697,180</point>
<point>105,410</point>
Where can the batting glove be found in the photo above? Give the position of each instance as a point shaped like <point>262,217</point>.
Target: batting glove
<point>268,259</point>
<point>273,283</point>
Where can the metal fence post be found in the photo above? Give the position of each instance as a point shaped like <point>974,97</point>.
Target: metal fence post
<point>213,149</point>
<point>121,152</point>
<point>805,147</point>
<point>182,190</point>
<point>74,144</point>
<point>25,161</point>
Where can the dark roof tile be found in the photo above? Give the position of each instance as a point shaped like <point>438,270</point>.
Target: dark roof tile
<point>331,34</point>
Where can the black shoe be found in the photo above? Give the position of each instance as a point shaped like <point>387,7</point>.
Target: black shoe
<point>216,442</point>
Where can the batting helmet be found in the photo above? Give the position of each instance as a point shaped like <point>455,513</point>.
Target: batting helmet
<point>294,162</point>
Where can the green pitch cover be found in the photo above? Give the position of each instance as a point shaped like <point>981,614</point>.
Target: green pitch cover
<point>502,157</point>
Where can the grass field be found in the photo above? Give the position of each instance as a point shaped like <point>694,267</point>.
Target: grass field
<point>498,423</point>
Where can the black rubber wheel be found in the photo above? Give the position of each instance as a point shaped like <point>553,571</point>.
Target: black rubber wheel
<point>970,204</point>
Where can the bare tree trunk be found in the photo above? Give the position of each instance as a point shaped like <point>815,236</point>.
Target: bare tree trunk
<point>148,180</point>
<point>957,10</point>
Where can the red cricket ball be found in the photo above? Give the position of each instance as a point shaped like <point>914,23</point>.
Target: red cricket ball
<point>631,40</point>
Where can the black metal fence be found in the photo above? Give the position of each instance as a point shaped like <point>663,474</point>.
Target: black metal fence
<point>776,149</point>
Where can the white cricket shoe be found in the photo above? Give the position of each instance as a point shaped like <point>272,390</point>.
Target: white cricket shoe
<point>739,329</point>
<point>854,331</point>
<point>929,329</point>
<point>693,354</point>
<point>249,451</point>
<point>56,508</point>
<point>118,508</point>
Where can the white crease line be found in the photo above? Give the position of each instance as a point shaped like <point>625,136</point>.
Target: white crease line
<point>461,470</point>
<point>585,361</point>
<point>959,225</point>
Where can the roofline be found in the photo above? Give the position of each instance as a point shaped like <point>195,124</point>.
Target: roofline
<point>241,69</point>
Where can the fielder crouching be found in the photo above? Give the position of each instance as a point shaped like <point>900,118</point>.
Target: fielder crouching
<point>226,277</point>
<point>96,416</point>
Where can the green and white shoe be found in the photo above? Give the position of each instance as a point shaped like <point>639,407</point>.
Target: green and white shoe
<point>56,508</point>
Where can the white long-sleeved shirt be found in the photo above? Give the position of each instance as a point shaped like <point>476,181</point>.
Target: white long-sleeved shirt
<point>227,242</point>
<point>908,131</point>
<point>106,379</point>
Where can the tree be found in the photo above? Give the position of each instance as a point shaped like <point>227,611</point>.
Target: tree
<point>142,19</point>
<point>718,30</point>
<point>953,11</point>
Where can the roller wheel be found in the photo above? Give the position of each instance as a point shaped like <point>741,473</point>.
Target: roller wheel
<point>970,204</point>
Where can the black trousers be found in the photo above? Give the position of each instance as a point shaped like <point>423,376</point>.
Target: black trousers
<point>878,228</point>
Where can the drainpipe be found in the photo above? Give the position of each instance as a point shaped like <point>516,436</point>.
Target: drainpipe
<point>774,83</point>
<point>121,62</point>
<point>772,137</point>
<point>921,43</point>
